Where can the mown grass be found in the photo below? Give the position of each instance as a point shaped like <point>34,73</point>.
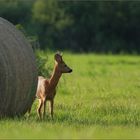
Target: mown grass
<point>100,99</point>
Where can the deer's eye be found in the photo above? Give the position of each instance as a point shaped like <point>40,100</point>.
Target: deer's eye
<point>65,65</point>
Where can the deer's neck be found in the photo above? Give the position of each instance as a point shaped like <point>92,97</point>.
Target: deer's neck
<point>55,77</point>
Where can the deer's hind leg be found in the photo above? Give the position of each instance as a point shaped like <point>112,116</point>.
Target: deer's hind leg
<point>39,108</point>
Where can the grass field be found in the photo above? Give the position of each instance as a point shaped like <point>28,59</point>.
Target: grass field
<point>100,99</point>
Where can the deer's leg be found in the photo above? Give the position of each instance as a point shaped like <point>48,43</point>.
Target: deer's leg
<point>44,108</point>
<point>39,108</point>
<point>51,107</point>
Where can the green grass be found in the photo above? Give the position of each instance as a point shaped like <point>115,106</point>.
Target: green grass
<point>100,99</point>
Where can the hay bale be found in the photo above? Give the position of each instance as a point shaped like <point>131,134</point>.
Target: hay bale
<point>18,74</point>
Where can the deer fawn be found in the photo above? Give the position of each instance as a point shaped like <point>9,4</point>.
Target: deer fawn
<point>46,89</point>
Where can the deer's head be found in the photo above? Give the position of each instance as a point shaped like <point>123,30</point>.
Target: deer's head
<point>60,64</point>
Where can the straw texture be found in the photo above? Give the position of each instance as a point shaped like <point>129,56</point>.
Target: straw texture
<point>18,73</point>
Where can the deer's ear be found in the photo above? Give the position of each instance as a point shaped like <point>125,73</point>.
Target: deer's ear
<point>58,57</point>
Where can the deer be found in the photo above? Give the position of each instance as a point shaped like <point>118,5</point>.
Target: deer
<point>46,88</point>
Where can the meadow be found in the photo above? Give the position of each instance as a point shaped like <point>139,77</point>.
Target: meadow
<point>100,99</point>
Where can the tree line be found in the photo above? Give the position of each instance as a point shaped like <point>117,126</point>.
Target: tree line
<point>78,25</point>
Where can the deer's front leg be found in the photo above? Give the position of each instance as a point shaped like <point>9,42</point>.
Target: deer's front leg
<point>51,107</point>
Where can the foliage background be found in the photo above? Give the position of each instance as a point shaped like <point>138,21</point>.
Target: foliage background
<point>78,25</point>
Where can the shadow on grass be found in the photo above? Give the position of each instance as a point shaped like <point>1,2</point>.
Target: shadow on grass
<point>71,117</point>
<point>70,120</point>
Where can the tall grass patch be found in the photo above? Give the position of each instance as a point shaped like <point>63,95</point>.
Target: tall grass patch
<point>99,99</point>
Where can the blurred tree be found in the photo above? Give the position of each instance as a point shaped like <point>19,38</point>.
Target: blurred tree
<point>99,26</point>
<point>16,11</point>
<point>51,20</point>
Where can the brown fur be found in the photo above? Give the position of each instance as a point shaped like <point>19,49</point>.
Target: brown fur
<point>46,89</point>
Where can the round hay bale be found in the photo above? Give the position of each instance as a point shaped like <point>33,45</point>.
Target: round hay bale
<point>18,73</point>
